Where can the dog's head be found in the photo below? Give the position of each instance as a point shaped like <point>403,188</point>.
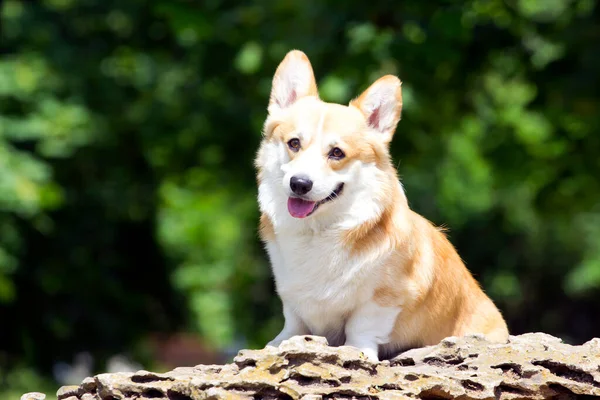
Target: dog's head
<point>317,157</point>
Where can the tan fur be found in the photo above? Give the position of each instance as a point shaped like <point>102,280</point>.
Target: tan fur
<point>440,297</point>
<point>450,303</point>
<point>266,230</point>
<point>422,274</point>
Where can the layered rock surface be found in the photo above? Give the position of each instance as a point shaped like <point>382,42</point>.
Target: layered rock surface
<point>531,366</point>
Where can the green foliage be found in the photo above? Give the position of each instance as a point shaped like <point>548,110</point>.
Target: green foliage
<point>15,382</point>
<point>128,131</point>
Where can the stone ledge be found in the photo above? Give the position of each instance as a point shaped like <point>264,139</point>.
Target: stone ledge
<point>530,366</point>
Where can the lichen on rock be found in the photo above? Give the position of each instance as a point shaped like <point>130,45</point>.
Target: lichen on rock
<point>530,366</point>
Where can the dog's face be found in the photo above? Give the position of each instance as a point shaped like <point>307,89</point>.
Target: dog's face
<point>315,153</point>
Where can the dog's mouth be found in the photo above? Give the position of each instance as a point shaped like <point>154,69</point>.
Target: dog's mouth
<point>300,208</point>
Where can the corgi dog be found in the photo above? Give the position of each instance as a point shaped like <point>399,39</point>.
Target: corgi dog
<point>351,261</point>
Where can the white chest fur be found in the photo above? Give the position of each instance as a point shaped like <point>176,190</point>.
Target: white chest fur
<point>320,280</point>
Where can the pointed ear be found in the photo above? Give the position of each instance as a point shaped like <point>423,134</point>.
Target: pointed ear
<point>293,79</point>
<point>381,104</point>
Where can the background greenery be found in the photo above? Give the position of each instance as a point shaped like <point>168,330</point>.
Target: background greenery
<point>128,129</point>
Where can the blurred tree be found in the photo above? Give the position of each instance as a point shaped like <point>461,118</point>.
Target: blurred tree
<point>128,130</point>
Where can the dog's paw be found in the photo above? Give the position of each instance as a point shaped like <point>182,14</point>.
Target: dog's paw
<point>371,355</point>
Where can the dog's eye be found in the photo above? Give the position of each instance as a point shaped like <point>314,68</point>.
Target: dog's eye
<point>294,144</point>
<point>336,153</point>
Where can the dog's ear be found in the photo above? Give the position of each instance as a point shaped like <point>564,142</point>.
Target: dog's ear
<point>381,104</point>
<point>293,79</point>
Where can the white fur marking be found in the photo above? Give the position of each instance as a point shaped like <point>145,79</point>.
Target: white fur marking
<point>293,326</point>
<point>370,326</point>
<point>321,123</point>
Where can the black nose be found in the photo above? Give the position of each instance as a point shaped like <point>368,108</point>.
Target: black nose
<point>300,185</point>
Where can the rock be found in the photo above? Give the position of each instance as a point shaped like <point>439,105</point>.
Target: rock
<point>68,391</point>
<point>33,396</point>
<point>531,366</point>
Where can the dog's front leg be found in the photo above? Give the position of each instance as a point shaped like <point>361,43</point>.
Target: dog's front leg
<point>292,326</point>
<point>369,326</point>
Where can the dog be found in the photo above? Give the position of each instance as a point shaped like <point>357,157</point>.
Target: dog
<point>351,261</point>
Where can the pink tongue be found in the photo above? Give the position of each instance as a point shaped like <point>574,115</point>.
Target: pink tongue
<point>299,208</point>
